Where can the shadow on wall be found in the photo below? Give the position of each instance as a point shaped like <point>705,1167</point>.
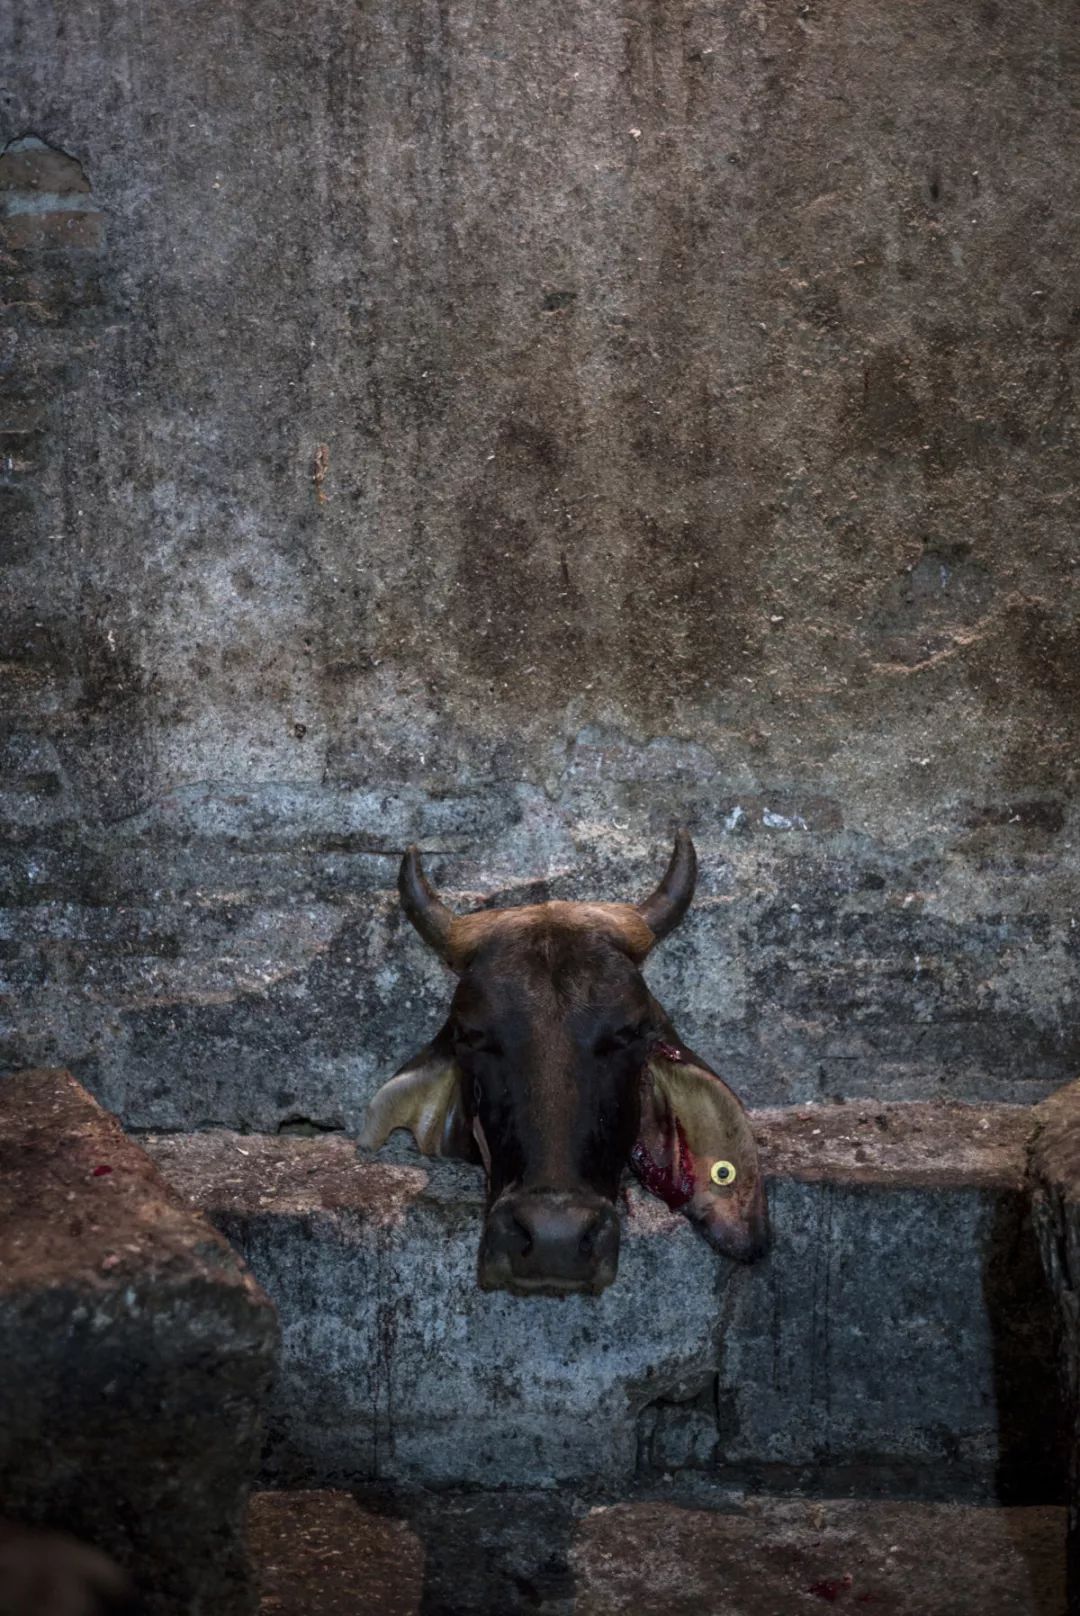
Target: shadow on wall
<point>1033,1432</point>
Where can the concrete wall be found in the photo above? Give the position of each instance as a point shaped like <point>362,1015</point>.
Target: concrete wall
<point>520,428</point>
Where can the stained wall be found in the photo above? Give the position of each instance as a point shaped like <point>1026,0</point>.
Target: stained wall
<point>520,429</point>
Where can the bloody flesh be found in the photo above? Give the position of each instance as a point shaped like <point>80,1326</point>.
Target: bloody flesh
<point>673,1179</point>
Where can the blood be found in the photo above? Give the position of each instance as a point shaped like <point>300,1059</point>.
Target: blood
<point>831,1588</point>
<point>668,1052</point>
<point>674,1181</point>
<point>99,1172</point>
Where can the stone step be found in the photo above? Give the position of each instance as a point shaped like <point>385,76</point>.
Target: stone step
<point>898,1339</point>
<point>683,1554</point>
<point>136,1355</point>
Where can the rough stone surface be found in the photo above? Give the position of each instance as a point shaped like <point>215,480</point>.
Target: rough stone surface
<point>137,1354</point>
<point>775,1559</point>
<point>1055,1168</point>
<point>519,427</point>
<point>502,1554</point>
<point>322,1554</point>
<point>899,1335</point>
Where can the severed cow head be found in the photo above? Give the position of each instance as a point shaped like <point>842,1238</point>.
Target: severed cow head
<point>557,1069</point>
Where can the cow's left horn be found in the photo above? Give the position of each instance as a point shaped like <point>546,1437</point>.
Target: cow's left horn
<point>663,910</point>
<point>432,919</point>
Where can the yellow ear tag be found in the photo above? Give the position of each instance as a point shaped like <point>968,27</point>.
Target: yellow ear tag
<point>722,1173</point>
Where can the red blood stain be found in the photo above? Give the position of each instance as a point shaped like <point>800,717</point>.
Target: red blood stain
<point>831,1588</point>
<point>99,1172</point>
<point>672,1179</point>
<point>668,1052</point>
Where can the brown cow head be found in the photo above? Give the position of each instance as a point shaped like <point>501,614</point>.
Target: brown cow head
<point>556,1069</point>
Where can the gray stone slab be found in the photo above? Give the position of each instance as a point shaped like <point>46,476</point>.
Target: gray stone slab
<point>137,1354</point>
<point>899,1329</point>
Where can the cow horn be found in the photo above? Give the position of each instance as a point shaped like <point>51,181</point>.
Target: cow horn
<point>432,919</point>
<point>663,910</point>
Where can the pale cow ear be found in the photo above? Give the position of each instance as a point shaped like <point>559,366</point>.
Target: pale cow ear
<point>424,1097</point>
<point>696,1151</point>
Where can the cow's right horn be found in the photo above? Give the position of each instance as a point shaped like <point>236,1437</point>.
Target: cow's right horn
<point>431,917</point>
<point>665,907</point>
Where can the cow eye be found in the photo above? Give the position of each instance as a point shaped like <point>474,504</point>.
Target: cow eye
<point>477,1041</point>
<point>621,1038</point>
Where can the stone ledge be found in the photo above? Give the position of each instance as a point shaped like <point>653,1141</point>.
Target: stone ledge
<point>137,1354</point>
<point>918,1144</point>
<point>900,1325</point>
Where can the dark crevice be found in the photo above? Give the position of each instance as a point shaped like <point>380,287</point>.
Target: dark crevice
<point>307,1127</point>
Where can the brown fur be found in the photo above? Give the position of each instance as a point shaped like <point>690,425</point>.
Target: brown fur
<point>618,921</point>
<point>557,1070</point>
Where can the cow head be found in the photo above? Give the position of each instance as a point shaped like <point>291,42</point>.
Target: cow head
<point>556,1069</point>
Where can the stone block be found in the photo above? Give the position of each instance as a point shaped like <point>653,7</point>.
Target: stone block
<point>137,1354</point>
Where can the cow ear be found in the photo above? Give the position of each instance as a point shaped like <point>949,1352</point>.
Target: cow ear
<point>696,1151</point>
<point>424,1097</point>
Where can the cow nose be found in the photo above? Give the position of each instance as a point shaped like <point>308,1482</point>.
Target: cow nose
<point>549,1242</point>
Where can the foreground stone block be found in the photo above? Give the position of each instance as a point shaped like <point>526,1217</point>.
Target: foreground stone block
<point>1055,1169</point>
<point>899,1330</point>
<point>137,1354</point>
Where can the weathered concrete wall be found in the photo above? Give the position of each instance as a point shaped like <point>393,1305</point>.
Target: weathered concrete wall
<point>521,427</point>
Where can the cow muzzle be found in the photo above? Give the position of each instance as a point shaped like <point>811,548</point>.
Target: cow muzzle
<point>549,1243</point>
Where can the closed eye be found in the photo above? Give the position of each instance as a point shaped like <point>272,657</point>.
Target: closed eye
<point>476,1041</point>
<point>622,1038</point>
